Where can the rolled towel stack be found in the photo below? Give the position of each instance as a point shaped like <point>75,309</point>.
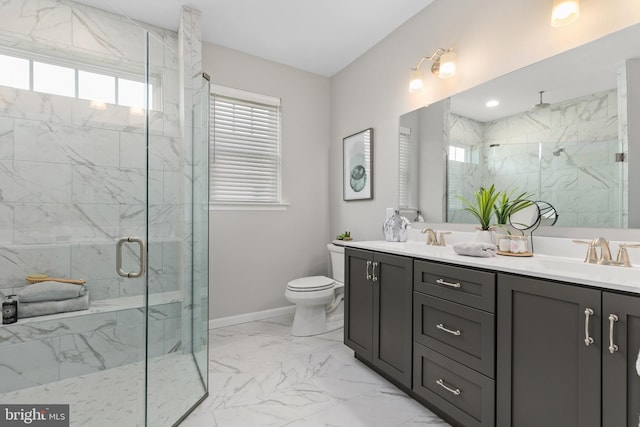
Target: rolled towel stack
<point>477,249</point>
<point>51,297</point>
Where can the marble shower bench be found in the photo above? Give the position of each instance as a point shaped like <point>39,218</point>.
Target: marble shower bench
<point>44,349</point>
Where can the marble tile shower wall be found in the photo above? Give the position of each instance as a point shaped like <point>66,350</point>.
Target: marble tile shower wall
<point>464,178</point>
<point>72,181</point>
<point>72,178</point>
<point>54,349</point>
<point>583,182</point>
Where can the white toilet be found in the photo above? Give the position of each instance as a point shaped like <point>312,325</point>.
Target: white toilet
<point>319,299</point>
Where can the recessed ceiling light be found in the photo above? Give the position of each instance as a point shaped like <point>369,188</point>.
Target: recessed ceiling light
<point>492,103</point>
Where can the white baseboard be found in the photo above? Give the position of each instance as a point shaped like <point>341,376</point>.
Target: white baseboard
<point>251,317</point>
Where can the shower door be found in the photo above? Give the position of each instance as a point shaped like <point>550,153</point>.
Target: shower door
<point>177,242</point>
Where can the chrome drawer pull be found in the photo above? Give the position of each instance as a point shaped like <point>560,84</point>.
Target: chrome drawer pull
<point>442,282</point>
<point>368,274</point>
<point>441,383</point>
<point>442,328</point>
<point>373,270</point>
<point>612,347</point>
<point>587,339</point>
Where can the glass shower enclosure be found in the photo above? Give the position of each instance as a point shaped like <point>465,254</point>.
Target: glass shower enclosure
<point>103,178</point>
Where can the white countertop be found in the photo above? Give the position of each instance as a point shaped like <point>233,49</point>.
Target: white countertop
<point>572,270</point>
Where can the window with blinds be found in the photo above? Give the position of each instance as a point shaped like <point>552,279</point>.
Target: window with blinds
<point>245,151</point>
<point>405,150</point>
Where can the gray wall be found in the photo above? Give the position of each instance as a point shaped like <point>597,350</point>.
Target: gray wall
<point>491,39</point>
<point>253,254</point>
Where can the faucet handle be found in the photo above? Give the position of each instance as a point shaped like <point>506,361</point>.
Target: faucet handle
<point>623,255</point>
<point>441,241</point>
<point>592,257</point>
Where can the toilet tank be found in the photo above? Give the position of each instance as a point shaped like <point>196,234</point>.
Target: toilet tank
<point>337,262</point>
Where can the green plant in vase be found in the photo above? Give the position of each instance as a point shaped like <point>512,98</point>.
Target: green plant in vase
<point>506,205</point>
<point>484,206</point>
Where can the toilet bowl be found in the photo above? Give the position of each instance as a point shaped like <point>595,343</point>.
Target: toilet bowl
<point>319,299</point>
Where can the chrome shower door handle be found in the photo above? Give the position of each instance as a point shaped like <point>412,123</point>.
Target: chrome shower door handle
<point>587,339</point>
<point>612,320</point>
<point>142,256</point>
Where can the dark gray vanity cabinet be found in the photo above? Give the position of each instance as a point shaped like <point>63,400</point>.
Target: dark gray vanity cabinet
<point>378,291</point>
<point>548,354</point>
<point>454,341</point>
<point>358,302</point>
<point>620,348</point>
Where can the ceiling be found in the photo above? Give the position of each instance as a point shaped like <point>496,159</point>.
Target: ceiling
<point>322,36</point>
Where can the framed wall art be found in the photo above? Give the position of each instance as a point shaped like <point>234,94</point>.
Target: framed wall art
<point>357,160</point>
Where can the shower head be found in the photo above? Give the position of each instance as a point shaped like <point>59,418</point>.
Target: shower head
<point>541,104</point>
<point>558,151</point>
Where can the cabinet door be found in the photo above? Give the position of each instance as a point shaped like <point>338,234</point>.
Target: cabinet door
<point>392,316</point>
<point>546,374</point>
<point>358,302</point>
<point>620,377</point>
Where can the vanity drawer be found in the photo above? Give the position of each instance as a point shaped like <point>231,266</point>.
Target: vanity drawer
<point>458,284</point>
<point>462,333</point>
<point>462,393</point>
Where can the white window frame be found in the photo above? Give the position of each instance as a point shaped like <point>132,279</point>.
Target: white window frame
<point>245,96</point>
<point>155,79</point>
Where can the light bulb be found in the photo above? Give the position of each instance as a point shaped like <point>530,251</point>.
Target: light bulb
<point>416,83</point>
<point>447,65</point>
<point>564,12</point>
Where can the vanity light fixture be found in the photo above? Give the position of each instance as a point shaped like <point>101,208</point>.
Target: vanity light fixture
<point>564,12</point>
<point>444,66</point>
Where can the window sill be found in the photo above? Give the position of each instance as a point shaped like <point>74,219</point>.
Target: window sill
<point>249,206</point>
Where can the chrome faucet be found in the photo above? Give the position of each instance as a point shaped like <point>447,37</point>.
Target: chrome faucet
<point>605,252</point>
<point>432,237</point>
<point>592,253</point>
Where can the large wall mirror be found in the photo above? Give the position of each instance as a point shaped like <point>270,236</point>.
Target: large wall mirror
<point>569,145</point>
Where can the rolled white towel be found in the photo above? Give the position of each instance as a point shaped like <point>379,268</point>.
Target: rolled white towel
<point>477,249</point>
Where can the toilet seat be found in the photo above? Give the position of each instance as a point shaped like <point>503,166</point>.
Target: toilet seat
<point>310,284</point>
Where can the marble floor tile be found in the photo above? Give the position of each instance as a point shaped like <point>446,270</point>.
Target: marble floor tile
<point>260,375</point>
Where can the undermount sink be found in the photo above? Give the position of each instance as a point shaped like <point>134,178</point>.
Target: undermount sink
<point>604,273</point>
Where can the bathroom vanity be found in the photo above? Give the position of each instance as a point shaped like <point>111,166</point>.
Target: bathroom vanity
<point>542,341</point>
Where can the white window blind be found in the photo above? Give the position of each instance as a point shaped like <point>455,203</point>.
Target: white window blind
<point>245,154</point>
<point>405,149</point>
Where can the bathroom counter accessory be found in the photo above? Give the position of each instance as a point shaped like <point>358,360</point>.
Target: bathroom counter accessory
<point>35,278</point>
<point>524,254</point>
